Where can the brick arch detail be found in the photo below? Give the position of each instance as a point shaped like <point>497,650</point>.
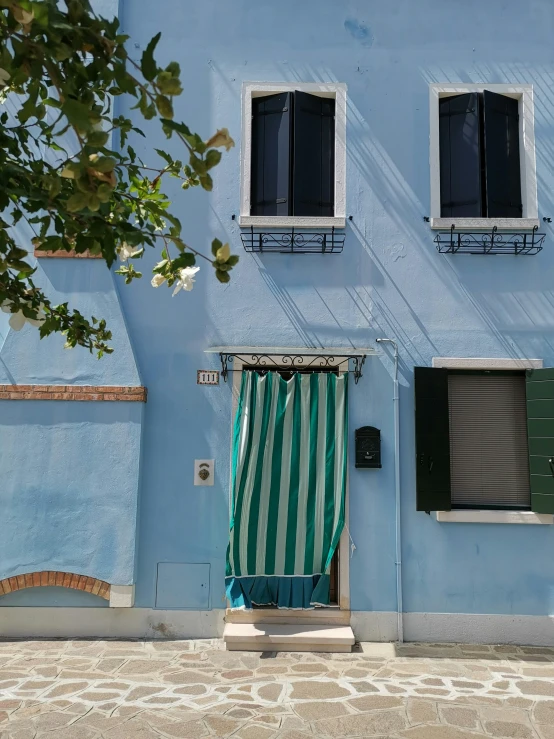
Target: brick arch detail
<point>59,579</point>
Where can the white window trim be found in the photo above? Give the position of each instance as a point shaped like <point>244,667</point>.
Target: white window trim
<point>486,363</point>
<point>330,90</point>
<point>522,93</point>
<point>487,516</point>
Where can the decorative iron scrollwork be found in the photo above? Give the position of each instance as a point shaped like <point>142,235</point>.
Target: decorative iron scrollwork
<point>293,361</point>
<point>293,242</point>
<point>489,242</point>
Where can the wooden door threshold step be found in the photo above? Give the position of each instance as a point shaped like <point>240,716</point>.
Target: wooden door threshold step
<point>288,638</point>
<point>317,616</point>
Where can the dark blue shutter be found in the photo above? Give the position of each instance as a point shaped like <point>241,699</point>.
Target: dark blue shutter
<point>501,125</point>
<point>271,151</point>
<point>432,437</point>
<point>460,156</point>
<point>314,155</point>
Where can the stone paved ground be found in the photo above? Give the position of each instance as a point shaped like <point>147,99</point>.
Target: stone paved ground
<point>147,690</point>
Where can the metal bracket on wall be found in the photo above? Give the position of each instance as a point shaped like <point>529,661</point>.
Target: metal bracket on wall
<point>293,362</point>
<point>489,242</point>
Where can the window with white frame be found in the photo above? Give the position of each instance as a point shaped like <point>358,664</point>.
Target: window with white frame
<point>293,155</point>
<point>482,156</point>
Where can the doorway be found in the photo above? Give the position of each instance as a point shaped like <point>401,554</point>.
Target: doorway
<point>339,599</point>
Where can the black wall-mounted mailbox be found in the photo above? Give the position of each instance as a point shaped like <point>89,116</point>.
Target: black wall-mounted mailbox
<point>368,447</point>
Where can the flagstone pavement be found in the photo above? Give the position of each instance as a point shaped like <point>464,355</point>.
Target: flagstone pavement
<point>173,689</point>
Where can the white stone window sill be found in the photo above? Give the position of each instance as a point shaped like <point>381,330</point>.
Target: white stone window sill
<point>477,516</point>
<point>487,224</point>
<point>290,221</point>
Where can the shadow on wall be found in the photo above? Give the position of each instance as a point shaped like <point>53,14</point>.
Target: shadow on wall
<point>402,287</point>
<point>515,299</point>
<point>179,523</point>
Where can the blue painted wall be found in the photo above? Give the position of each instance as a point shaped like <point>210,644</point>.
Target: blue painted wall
<point>69,470</point>
<point>69,488</point>
<point>389,281</point>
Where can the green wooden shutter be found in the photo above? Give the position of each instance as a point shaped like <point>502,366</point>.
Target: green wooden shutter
<point>540,429</point>
<point>432,439</point>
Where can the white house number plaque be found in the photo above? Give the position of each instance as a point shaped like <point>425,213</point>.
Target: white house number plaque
<point>207,377</point>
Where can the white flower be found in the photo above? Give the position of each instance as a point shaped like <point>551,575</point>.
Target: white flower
<point>17,319</point>
<point>185,281</point>
<point>157,280</point>
<point>126,252</point>
<point>4,77</point>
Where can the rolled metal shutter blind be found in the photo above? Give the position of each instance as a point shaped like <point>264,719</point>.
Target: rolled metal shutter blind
<point>489,462</point>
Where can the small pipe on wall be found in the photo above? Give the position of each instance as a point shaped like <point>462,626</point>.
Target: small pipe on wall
<point>398,520</point>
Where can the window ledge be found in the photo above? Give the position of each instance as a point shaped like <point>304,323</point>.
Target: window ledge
<point>487,224</point>
<point>477,516</point>
<point>290,221</point>
<point>484,363</point>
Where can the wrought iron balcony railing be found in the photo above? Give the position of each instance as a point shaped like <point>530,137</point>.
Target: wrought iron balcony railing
<point>293,242</point>
<point>489,242</point>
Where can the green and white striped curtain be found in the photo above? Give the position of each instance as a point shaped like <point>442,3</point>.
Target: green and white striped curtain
<point>289,482</point>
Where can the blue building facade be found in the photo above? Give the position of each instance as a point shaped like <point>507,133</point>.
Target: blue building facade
<point>105,490</point>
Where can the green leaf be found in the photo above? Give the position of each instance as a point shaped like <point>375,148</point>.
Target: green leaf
<point>222,276</point>
<point>213,157</point>
<point>93,202</point>
<point>164,155</point>
<point>185,259</point>
<point>98,138</point>
<point>77,114</point>
<point>206,182</point>
<point>105,164</point>
<point>165,106</point>
<point>174,69</point>
<point>175,126</point>
<point>198,165</point>
<point>216,246</point>
<point>149,112</point>
<point>77,202</point>
<point>148,64</point>
<point>27,110</point>
<point>104,192</point>
<point>168,85</point>
<point>21,267</point>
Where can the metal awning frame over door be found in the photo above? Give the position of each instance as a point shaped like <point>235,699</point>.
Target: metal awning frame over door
<point>296,359</point>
